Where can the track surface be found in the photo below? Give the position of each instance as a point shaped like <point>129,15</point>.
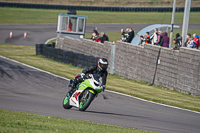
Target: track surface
<point>29,90</point>
<point>39,33</point>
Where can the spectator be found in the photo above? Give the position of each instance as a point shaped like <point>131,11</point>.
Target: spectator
<point>95,36</point>
<point>177,44</point>
<point>103,37</point>
<point>191,44</point>
<point>147,40</point>
<point>154,37</point>
<point>196,39</point>
<point>142,41</point>
<point>179,39</point>
<point>166,40</point>
<point>160,39</point>
<point>130,35</point>
<point>177,35</point>
<point>123,35</point>
<point>70,26</point>
<point>188,36</point>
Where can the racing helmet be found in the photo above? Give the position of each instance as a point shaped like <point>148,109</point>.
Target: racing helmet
<point>102,64</point>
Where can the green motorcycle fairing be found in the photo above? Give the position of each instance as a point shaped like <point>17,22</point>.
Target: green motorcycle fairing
<point>87,84</point>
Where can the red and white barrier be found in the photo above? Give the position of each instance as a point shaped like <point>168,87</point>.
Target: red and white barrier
<point>10,34</point>
<point>25,34</point>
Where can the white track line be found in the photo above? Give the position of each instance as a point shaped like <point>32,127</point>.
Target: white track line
<point>106,90</point>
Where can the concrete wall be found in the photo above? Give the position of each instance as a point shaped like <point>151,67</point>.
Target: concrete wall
<point>135,62</point>
<point>86,47</point>
<point>188,71</point>
<point>167,70</point>
<point>152,64</point>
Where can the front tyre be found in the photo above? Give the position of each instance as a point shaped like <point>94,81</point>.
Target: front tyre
<point>86,100</point>
<point>66,101</point>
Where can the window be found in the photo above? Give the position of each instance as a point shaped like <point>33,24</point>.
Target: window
<point>64,23</point>
<point>72,24</point>
<point>80,24</point>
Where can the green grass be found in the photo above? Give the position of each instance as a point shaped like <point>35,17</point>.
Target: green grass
<point>37,16</point>
<point>139,89</point>
<point>19,122</point>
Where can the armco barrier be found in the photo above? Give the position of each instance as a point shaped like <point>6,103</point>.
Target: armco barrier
<point>96,8</point>
<point>152,64</point>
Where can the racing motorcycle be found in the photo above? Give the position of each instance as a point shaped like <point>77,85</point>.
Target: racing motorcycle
<point>84,93</point>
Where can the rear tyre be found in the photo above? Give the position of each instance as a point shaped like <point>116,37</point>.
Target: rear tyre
<point>86,100</point>
<point>66,101</point>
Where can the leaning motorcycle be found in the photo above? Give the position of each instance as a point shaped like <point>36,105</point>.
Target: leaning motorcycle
<point>84,93</point>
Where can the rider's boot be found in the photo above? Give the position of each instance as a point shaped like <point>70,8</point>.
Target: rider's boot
<point>71,85</point>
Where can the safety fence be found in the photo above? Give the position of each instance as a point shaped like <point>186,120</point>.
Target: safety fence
<point>97,8</point>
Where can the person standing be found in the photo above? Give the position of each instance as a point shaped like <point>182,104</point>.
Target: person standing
<point>166,40</point>
<point>160,39</point>
<point>154,37</point>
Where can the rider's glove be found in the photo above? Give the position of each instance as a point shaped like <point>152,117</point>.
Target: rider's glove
<point>82,75</point>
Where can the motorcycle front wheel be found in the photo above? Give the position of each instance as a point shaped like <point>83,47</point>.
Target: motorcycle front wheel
<point>66,101</point>
<point>85,100</point>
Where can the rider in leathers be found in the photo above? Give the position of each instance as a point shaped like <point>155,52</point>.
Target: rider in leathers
<point>100,69</point>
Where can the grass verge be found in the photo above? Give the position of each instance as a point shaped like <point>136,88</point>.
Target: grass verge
<point>37,16</point>
<point>26,54</point>
<point>13,121</point>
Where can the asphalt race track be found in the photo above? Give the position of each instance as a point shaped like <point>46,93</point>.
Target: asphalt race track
<point>29,90</point>
<point>40,33</point>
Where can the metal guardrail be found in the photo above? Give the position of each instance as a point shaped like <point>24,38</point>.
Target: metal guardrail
<point>97,8</point>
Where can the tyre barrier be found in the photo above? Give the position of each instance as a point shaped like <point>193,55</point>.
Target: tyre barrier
<point>97,8</point>
<point>68,57</point>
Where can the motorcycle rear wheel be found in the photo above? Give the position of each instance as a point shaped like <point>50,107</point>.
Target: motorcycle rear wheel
<point>66,101</point>
<point>86,100</point>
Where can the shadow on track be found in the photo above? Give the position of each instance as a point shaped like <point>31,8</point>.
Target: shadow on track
<point>116,114</point>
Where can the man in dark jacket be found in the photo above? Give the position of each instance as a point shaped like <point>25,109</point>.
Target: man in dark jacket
<point>103,37</point>
<point>130,35</point>
<point>100,69</point>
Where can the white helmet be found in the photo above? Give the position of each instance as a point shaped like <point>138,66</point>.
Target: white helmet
<point>102,64</point>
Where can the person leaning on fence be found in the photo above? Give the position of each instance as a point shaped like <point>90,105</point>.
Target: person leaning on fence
<point>142,41</point>
<point>131,35</point>
<point>123,35</point>
<point>160,39</point>
<point>147,40</point>
<point>179,38</point>
<point>103,37</point>
<point>154,37</point>
<point>188,36</point>
<point>191,44</point>
<point>177,44</point>
<point>95,36</point>
<point>196,39</point>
